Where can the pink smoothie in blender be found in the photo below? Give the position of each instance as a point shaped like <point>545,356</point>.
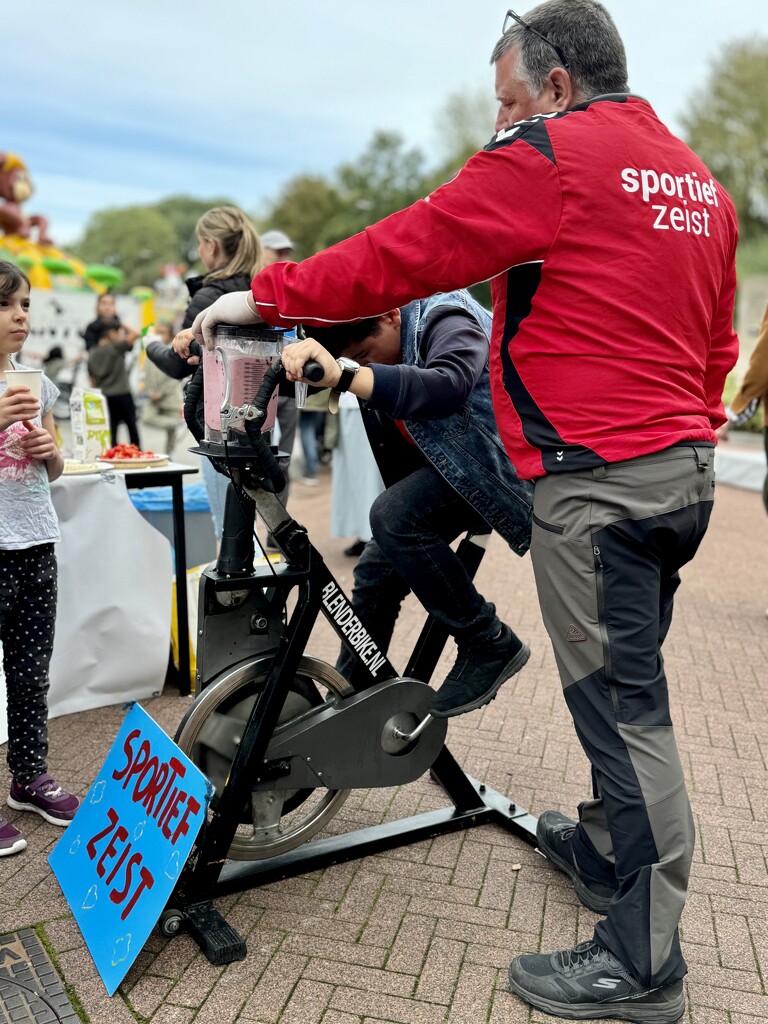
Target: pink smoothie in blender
<point>240,358</point>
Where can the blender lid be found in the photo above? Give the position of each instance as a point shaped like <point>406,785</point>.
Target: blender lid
<point>252,332</point>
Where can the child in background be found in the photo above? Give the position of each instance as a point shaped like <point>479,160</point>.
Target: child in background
<point>106,309</point>
<point>108,372</point>
<point>163,394</point>
<point>29,460</point>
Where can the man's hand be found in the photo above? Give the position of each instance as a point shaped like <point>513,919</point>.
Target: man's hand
<point>295,356</point>
<point>38,443</point>
<point>233,308</point>
<point>17,403</point>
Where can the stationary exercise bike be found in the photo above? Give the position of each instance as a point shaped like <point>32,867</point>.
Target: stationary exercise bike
<point>281,735</point>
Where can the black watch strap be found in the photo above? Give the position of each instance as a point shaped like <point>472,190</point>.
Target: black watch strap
<point>346,378</point>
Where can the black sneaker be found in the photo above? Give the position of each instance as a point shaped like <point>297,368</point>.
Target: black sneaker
<point>588,981</point>
<point>478,673</point>
<point>554,836</point>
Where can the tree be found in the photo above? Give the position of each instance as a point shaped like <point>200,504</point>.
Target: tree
<point>303,210</point>
<point>464,125</point>
<point>183,213</point>
<point>385,178</point>
<point>727,126</point>
<point>137,239</point>
<point>316,212</point>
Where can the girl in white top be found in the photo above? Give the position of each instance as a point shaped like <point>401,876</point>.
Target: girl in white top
<point>29,460</point>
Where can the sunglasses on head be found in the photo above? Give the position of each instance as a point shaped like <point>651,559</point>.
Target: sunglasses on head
<point>512,19</point>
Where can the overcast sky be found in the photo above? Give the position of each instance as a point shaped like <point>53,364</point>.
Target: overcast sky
<point>112,104</point>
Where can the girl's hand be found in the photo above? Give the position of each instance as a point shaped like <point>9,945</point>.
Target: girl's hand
<point>38,443</point>
<point>181,343</point>
<point>17,403</point>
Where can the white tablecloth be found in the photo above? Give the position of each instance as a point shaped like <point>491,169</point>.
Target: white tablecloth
<point>114,610</point>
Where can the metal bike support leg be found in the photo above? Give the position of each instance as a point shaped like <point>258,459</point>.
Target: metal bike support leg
<point>473,804</point>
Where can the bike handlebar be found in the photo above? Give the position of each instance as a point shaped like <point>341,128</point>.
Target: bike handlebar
<point>313,371</point>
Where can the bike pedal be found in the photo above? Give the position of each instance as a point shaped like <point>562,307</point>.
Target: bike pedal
<point>218,940</point>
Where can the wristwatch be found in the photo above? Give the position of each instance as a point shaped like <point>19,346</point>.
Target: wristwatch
<point>348,370</point>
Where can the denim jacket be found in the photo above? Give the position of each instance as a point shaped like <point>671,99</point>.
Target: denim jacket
<point>465,447</point>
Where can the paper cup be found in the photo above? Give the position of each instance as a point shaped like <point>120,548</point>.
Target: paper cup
<point>33,379</point>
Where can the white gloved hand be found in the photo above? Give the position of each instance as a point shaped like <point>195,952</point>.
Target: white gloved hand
<point>233,308</point>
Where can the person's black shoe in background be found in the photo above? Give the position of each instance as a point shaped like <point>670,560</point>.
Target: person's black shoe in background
<point>356,549</point>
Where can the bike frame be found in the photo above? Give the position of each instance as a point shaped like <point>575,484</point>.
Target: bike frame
<point>258,619</point>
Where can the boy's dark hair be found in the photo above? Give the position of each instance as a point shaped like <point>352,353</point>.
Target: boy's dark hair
<point>103,327</point>
<point>11,279</point>
<point>341,336</point>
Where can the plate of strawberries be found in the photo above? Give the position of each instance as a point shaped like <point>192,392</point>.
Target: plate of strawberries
<point>130,456</point>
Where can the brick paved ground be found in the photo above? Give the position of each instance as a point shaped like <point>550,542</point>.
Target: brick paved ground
<point>423,935</point>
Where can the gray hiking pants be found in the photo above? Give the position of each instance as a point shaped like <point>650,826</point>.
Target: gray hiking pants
<point>607,547</point>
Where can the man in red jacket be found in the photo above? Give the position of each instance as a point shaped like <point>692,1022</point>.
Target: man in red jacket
<point>611,253</point>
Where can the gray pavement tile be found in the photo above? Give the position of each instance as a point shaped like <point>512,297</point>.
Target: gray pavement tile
<point>346,952</point>
<point>173,1015</point>
<point>411,944</point>
<point>228,996</point>
<point>734,943</point>
<point>275,987</point>
<point>148,994</point>
<point>474,992</point>
<point>385,981</point>
<point>386,1007</point>
<point>307,1003</point>
<point>440,970</point>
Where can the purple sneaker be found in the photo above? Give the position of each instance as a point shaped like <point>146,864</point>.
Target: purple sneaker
<point>45,797</point>
<point>11,840</point>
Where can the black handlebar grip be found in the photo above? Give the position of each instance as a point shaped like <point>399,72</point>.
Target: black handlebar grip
<point>196,349</point>
<point>313,371</point>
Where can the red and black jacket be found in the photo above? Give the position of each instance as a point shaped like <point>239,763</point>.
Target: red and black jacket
<point>611,250</point>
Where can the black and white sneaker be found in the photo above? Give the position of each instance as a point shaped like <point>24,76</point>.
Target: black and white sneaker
<point>554,838</point>
<point>587,982</point>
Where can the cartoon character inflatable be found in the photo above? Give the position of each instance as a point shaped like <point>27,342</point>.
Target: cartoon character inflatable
<point>15,188</point>
<point>44,265</point>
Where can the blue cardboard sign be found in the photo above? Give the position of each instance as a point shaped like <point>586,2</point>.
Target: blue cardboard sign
<point>121,856</point>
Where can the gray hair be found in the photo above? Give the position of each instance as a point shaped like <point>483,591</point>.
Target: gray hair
<point>587,35</point>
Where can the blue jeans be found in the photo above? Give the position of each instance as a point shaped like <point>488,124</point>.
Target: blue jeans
<point>309,425</point>
<point>413,524</point>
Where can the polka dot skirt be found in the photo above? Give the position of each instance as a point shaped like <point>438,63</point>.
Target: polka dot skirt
<point>27,618</point>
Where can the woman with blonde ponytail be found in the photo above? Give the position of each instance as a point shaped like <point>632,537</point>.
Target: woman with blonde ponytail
<point>230,250</point>
<point>231,245</point>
